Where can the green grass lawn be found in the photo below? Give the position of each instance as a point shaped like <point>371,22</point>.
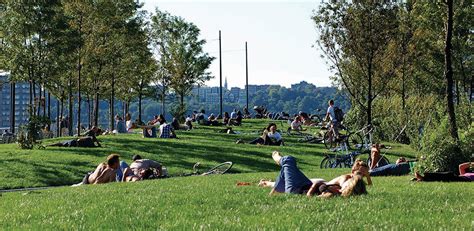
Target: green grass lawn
<point>214,202</point>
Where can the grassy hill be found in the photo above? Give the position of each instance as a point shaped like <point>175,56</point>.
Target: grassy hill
<point>213,202</point>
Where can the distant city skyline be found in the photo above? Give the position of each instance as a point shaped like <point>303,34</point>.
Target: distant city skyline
<point>280,36</point>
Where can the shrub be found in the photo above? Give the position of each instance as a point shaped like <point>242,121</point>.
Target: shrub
<point>29,134</point>
<point>441,152</point>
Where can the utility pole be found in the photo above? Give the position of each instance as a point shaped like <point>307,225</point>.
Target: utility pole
<point>220,70</point>
<point>247,75</point>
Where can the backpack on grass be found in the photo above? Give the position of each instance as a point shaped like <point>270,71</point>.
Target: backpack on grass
<point>339,114</point>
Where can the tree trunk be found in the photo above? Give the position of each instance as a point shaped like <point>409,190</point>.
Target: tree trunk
<point>38,110</point>
<point>369,94</point>
<point>70,108</point>
<point>112,97</point>
<point>163,100</point>
<point>140,107</point>
<point>471,93</point>
<point>58,116</point>
<point>96,109</point>
<point>79,68</point>
<point>61,112</point>
<point>44,105</point>
<point>89,111</point>
<point>30,107</point>
<point>34,97</point>
<point>448,72</point>
<point>49,111</point>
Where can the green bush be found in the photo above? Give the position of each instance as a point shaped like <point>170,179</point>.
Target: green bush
<point>29,134</point>
<point>441,152</point>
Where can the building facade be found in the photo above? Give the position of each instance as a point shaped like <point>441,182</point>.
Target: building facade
<point>22,94</point>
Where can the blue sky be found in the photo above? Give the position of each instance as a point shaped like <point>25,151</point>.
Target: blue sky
<point>280,35</point>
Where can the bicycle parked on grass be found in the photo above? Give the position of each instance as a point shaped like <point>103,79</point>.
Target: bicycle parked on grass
<point>361,139</point>
<point>335,160</point>
<point>218,169</point>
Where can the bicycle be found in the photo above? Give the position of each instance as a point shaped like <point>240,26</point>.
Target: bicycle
<point>347,160</point>
<point>361,139</point>
<point>216,170</point>
<point>339,161</point>
<point>329,137</point>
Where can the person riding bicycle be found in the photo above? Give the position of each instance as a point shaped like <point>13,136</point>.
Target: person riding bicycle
<point>331,115</point>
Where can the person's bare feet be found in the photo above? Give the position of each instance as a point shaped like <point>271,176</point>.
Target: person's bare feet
<point>263,183</point>
<point>418,176</point>
<point>276,157</point>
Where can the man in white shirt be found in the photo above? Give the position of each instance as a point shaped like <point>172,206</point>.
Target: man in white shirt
<point>233,114</point>
<point>332,117</point>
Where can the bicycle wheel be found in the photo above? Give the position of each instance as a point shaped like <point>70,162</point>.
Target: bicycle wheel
<point>382,162</point>
<point>324,162</point>
<point>328,162</point>
<point>220,168</point>
<point>329,142</point>
<point>355,141</point>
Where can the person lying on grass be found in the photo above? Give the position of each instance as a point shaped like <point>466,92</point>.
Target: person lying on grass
<point>401,167</point>
<point>104,173</point>
<point>465,175</point>
<point>269,137</point>
<point>84,142</point>
<point>141,169</point>
<point>292,180</point>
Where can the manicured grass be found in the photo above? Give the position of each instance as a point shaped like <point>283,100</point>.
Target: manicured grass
<point>62,166</point>
<point>214,202</point>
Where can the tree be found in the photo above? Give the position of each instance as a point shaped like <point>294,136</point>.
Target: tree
<point>355,37</point>
<point>448,71</point>
<point>182,55</point>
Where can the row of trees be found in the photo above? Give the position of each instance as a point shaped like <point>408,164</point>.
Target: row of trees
<point>416,54</point>
<point>85,52</point>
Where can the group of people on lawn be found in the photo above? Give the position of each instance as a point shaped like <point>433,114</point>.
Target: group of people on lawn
<point>114,170</point>
<point>290,178</point>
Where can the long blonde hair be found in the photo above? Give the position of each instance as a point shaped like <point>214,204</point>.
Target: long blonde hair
<point>355,186</point>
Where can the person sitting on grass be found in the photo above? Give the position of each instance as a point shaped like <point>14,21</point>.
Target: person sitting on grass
<point>141,169</point>
<point>269,137</point>
<point>154,121</point>
<point>166,131</point>
<point>465,175</point>
<point>175,124</point>
<point>188,123</point>
<point>202,118</point>
<point>238,119</point>
<point>292,180</point>
<point>83,142</point>
<point>296,125</point>
<point>119,125</point>
<point>401,167</point>
<point>212,120</point>
<point>104,173</point>
<point>376,158</point>
<point>226,118</point>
